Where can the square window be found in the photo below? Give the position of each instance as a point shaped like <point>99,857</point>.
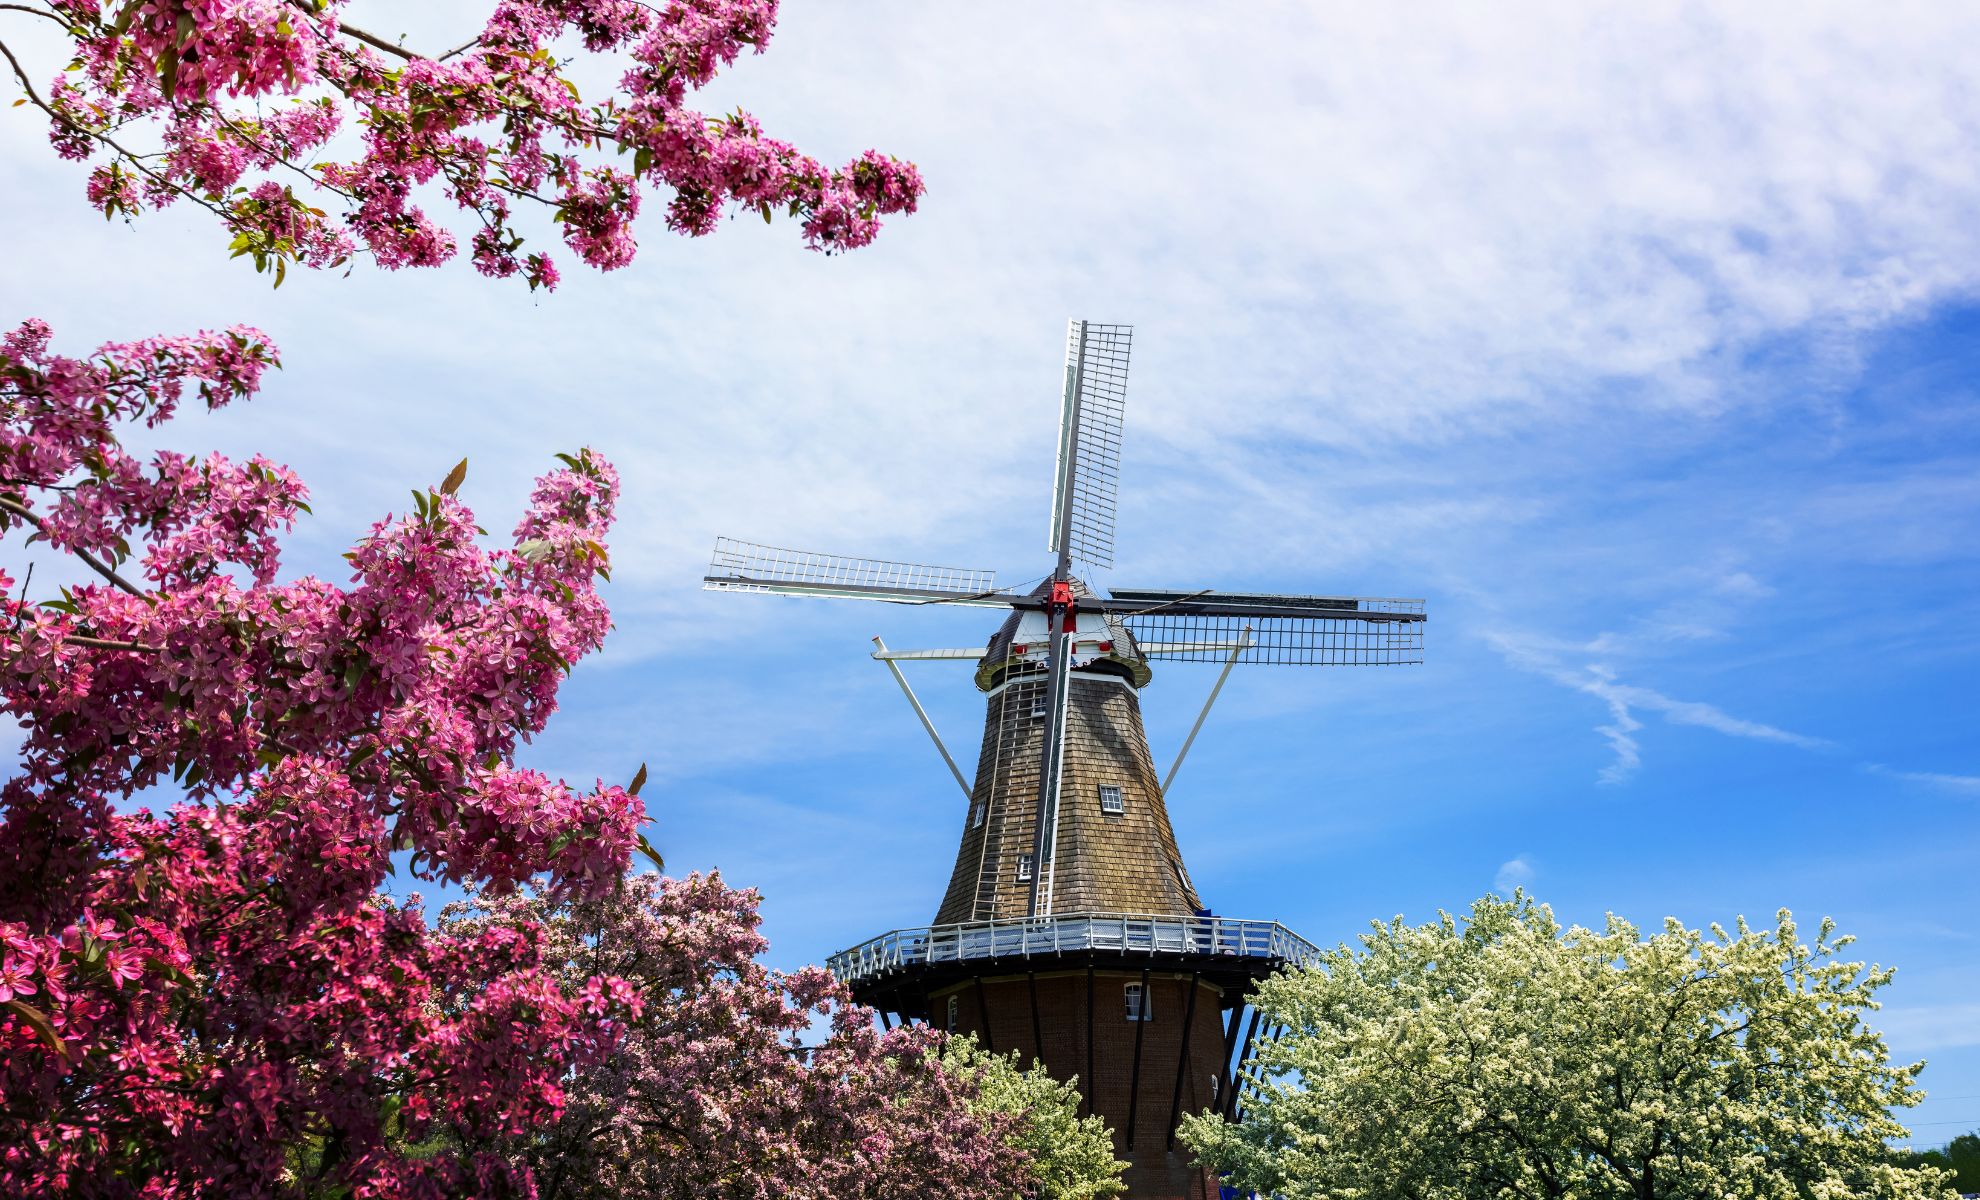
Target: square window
<point>1024,867</point>
<point>1038,711</point>
<point>1111,801</point>
<point>1138,1008</point>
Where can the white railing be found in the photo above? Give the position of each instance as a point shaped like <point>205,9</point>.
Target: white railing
<point>1020,937</point>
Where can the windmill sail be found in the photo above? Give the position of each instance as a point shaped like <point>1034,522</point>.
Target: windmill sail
<point>1289,630</point>
<point>749,567</point>
<point>1090,429</point>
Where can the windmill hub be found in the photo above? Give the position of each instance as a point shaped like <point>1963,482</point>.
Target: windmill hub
<point>1070,929</point>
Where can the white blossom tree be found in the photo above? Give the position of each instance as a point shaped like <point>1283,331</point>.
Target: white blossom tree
<point>1502,1056</point>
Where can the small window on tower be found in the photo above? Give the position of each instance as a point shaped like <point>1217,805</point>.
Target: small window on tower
<point>1110,800</point>
<point>1037,710</point>
<point>975,815</point>
<point>1024,867</point>
<point>952,1014</point>
<point>1137,1003</point>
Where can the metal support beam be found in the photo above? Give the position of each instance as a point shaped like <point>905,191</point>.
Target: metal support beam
<point>1226,1068</point>
<point>1182,1063</point>
<point>1243,644</point>
<point>886,1022</point>
<point>1238,1079</point>
<point>1134,1079</point>
<point>983,1014</point>
<point>957,655</point>
<point>923,714</point>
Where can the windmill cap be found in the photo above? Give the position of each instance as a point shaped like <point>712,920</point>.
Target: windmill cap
<point>1122,650</point>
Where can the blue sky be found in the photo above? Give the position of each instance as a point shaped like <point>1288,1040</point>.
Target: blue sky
<point>1642,343</point>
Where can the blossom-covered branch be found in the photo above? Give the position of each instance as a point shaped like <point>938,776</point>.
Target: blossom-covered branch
<point>221,1000</point>
<point>243,102</point>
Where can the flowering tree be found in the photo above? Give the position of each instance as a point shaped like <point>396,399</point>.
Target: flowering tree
<point>710,1091</point>
<point>218,1000</point>
<point>1508,1057</point>
<point>1069,1157</point>
<point>237,108</point>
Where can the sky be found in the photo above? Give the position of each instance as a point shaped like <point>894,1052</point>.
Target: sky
<point>1641,342</point>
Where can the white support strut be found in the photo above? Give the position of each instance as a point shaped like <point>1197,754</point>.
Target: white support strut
<point>885,656</point>
<point>1237,648</point>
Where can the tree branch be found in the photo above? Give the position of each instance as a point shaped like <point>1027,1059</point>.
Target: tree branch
<point>38,12</point>
<point>13,505</point>
<point>77,639</point>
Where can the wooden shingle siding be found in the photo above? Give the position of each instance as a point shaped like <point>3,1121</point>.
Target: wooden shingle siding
<point>1126,862</point>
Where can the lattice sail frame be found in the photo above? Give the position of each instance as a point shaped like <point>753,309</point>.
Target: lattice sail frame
<point>749,567</point>
<point>1286,641</point>
<point>1091,426</point>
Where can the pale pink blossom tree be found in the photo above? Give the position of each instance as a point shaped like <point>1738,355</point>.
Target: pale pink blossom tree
<point>734,1082</point>
<point>237,107</point>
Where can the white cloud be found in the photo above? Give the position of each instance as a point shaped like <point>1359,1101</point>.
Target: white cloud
<point>1513,873</point>
<point>1963,785</point>
<point>1913,1029</point>
<point>1624,700</point>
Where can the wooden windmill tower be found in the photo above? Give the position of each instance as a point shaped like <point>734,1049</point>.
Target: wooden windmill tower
<point>1070,930</point>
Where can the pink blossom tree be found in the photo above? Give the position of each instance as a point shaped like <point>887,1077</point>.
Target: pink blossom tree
<point>219,999</point>
<point>239,107</point>
<point>712,1092</point>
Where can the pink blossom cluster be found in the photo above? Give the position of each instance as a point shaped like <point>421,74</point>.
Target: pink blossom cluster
<point>220,1000</point>
<point>710,1090</point>
<point>496,121</point>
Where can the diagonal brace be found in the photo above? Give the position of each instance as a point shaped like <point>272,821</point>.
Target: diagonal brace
<point>927,724</point>
<point>1239,647</point>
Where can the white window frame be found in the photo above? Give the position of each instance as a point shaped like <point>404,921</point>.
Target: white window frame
<point>1114,794</point>
<point>976,814</point>
<point>1137,1003</point>
<point>1024,868</point>
<point>955,1009</point>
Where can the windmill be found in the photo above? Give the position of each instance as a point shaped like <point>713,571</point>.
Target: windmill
<point>1044,889</point>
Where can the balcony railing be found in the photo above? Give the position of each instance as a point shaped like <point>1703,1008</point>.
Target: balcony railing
<point>1022,937</point>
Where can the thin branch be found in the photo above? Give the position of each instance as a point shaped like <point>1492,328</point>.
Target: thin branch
<point>39,12</point>
<point>10,504</point>
<point>372,39</point>
<point>96,643</point>
<point>136,159</point>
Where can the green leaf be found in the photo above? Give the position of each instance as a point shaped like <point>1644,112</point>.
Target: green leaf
<point>652,855</point>
<point>42,1026</point>
<point>454,477</point>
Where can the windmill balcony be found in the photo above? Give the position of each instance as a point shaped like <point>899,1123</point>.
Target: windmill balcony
<point>1083,936</point>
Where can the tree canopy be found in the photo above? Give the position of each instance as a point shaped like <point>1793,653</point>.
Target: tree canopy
<point>1505,1056</point>
<point>1067,1156</point>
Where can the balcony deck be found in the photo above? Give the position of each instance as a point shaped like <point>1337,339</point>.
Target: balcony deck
<point>1228,941</point>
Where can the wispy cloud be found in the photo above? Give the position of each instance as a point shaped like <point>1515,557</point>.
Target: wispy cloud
<point>1911,1029</point>
<point>1543,657</point>
<point>1964,785</point>
<point>1513,873</point>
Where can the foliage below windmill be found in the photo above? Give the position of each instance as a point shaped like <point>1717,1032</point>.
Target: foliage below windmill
<point>1505,1055</point>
